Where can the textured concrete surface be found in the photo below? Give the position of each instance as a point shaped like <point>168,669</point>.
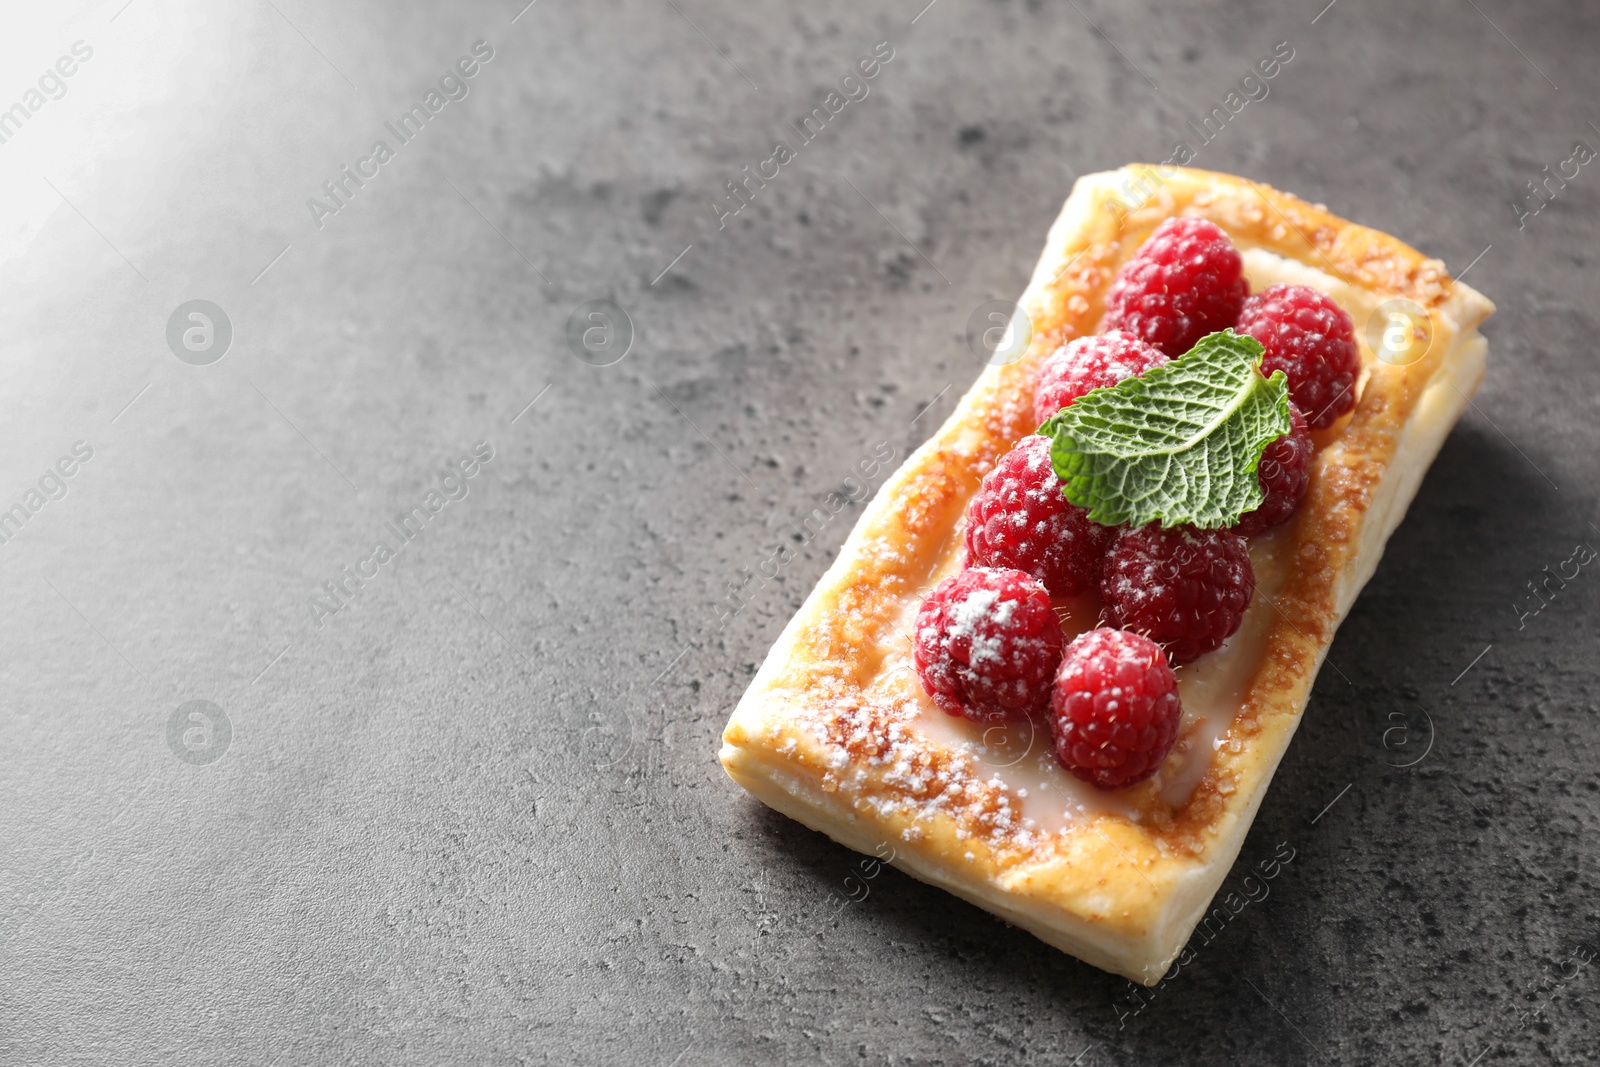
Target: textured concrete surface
<point>474,815</point>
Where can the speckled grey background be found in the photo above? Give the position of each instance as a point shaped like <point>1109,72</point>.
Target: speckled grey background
<point>475,815</point>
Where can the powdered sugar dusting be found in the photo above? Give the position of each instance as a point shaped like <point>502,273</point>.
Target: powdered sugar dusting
<point>876,753</point>
<point>970,614</point>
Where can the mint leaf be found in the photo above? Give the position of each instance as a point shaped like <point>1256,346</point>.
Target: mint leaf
<point>1178,444</point>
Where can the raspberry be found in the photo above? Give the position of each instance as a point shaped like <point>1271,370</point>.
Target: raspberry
<point>1310,339</point>
<point>1186,589</point>
<point>987,644</point>
<point>1020,519</point>
<point>1087,364</point>
<point>1184,282</point>
<point>1115,710</point>
<point>1283,476</point>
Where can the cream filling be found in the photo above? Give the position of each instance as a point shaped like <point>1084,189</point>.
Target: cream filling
<point>1020,757</point>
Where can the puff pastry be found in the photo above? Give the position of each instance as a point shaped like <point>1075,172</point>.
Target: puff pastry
<point>836,732</point>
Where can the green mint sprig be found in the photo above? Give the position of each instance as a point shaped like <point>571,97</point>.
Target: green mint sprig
<point>1178,444</point>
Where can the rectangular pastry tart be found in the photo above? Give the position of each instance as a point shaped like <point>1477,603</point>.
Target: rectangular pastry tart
<point>838,729</point>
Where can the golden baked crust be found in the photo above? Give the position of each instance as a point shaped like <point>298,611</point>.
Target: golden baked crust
<point>834,729</point>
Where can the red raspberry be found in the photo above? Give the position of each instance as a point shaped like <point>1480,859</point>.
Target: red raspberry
<point>1021,519</point>
<point>1087,364</point>
<point>1283,475</point>
<point>987,644</point>
<point>1186,281</point>
<point>1310,339</point>
<point>1184,588</point>
<point>1114,711</point>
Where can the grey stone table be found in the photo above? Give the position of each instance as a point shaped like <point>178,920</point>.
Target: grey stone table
<point>455,799</point>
